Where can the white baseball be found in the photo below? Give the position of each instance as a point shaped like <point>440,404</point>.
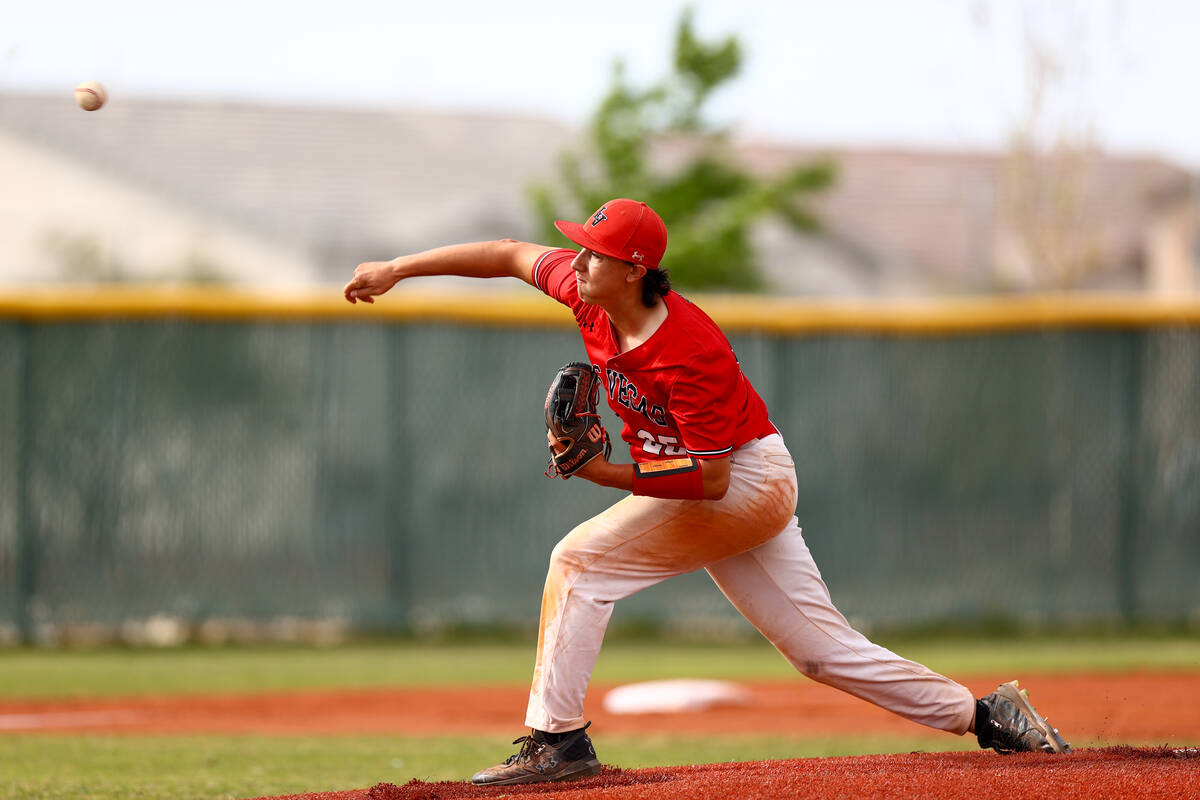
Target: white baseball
<point>90,95</point>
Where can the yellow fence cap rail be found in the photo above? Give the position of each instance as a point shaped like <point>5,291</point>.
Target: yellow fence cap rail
<point>934,316</point>
<point>526,307</point>
<point>199,302</point>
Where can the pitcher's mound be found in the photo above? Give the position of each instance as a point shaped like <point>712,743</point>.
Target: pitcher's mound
<point>1112,772</point>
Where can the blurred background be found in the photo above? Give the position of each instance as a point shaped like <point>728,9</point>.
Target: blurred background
<point>974,145</point>
<point>997,201</point>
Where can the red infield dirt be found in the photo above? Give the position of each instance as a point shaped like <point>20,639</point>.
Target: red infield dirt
<point>1118,772</point>
<point>1099,711</point>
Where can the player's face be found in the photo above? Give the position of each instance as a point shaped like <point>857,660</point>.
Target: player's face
<point>600,278</point>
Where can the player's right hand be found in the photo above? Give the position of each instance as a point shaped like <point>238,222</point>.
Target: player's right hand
<point>370,278</point>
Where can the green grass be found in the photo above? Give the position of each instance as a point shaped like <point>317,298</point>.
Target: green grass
<point>31,673</point>
<point>107,767</point>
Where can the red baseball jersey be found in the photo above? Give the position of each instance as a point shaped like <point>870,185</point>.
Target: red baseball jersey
<point>680,392</point>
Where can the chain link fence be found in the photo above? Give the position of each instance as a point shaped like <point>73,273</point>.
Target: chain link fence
<point>199,477</point>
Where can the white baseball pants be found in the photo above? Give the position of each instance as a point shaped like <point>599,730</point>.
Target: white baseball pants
<point>751,546</point>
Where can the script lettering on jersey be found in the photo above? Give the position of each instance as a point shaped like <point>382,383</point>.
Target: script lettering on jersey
<point>623,391</point>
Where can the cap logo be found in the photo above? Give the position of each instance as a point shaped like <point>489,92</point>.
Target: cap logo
<point>637,256</point>
<point>599,216</point>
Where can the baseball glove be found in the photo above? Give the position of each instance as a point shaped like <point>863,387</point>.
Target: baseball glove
<point>572,419</point>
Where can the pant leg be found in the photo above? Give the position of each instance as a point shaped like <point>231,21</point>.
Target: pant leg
<point>779,589</point>
<point>637,543</point>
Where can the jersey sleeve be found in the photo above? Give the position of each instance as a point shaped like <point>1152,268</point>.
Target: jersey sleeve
<point>552,274</point>
<point>701,401</point>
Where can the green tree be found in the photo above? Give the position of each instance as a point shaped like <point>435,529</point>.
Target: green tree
<point>709,202</point>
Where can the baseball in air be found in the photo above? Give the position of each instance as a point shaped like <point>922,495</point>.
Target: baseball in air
<point>90,95</point>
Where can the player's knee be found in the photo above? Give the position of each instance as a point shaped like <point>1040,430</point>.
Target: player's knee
<point>564,560</point>
<point>570,556</point>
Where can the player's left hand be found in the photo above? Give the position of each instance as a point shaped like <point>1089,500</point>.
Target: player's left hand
<point>594,466</point>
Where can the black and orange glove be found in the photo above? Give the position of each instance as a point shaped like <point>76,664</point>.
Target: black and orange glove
<point>573,420</point>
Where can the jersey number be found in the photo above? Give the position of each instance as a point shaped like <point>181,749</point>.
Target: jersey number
<point>660,445</point>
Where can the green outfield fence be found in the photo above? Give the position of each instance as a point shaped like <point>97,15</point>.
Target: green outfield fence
<point>206,455</point>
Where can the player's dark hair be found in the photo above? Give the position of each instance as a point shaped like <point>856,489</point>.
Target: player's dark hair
<point>655,284</point>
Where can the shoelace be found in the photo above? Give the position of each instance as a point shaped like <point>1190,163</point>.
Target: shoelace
<point>529,747</point>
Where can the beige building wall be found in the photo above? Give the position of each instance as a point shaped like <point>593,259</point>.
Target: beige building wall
<point>60,221</point>
<point>1170,250</point>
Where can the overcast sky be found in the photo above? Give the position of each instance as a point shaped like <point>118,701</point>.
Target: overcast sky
<point>941,73</point>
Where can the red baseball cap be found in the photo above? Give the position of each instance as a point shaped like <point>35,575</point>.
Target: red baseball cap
<point>624,229</point>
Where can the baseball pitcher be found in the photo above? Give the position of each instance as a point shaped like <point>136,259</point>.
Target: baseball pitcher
<point>712,485</point>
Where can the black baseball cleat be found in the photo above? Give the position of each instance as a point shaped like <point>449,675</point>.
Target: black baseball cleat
<point>1007,722</point>
<point>538,760</point>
